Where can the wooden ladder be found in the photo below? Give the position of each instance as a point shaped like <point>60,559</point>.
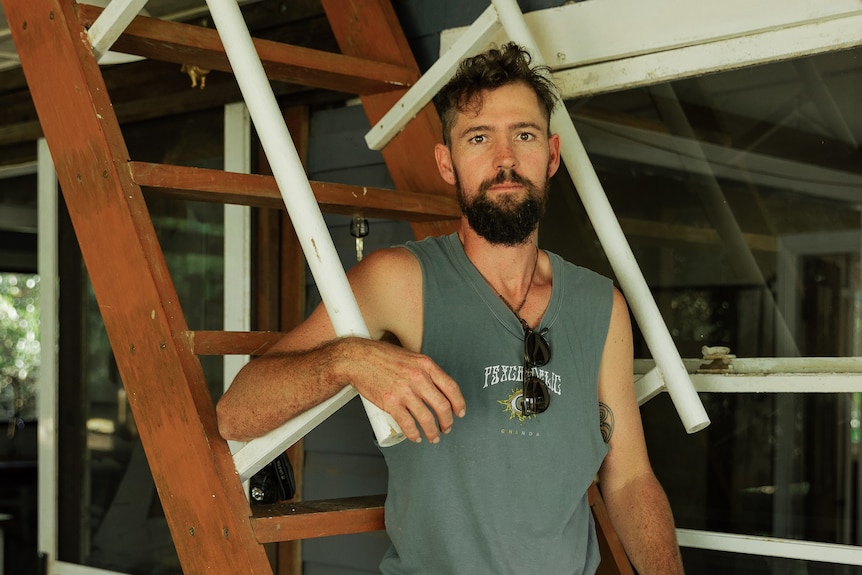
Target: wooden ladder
<point>210,519</point>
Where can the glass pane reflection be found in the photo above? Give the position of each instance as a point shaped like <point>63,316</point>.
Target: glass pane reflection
<point>728,188</point>
<point>110,513</point>
<point>777,465</point>
<point>739,193</point>
<point>703,562</point>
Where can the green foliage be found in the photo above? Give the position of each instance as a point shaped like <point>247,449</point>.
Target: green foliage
<point>19,345</point>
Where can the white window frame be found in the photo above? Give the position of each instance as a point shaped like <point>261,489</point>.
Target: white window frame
<point>237,235</point>
<point>47,267</point>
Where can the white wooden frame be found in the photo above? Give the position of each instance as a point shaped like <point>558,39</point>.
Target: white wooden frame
<point>47,189</point>
<point>237,235</point>
<point>311,232</point>
<point>609,45</point>
<point>770,547</point>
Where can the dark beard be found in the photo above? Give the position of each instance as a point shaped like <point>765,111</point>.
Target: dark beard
<point>505,221</point>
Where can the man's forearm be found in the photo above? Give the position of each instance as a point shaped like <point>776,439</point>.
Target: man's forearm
<point>272,389</point>
<point>642,518</point>
<point>276,387</point>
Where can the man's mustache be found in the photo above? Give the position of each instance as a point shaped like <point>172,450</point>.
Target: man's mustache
<point>506,176</point>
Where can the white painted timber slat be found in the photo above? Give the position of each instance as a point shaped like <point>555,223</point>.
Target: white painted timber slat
<point>851,366</point>
<point>651,384</point>
<point>760,375</point>
<point>110,24</point>
<point>587,32</point>
<point>237,240</point>
<point>778,383</point>
<point>311,230</point>
<point>598,47</point>
<point>771,547</point>
<point>418,96</point>
<point>722,55</point>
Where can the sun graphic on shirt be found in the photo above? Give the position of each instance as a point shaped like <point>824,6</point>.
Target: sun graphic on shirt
<point>514,405</point>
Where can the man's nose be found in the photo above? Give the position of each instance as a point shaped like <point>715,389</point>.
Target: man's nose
<point>505,156</point>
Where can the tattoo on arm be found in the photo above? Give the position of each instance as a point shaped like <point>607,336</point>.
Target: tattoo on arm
<point>606,421</point>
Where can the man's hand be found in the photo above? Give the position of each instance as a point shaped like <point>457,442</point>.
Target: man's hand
<point>310,364</point>
<point>415,391</point>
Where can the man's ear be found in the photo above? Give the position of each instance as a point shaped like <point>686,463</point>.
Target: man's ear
<point>444,163</point>
<point>554,157</point>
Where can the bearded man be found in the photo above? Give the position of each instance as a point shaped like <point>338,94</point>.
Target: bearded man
<point>515,365</point>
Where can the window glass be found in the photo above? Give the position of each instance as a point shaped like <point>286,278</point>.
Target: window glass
<point>19,349</point>
<point>740,196</point>
<point>111,516</point>
<point>18,219</point>
<point>778,465</point>
<point>706,561</point>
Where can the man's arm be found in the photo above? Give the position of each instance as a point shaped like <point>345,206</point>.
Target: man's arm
<point>309,364</point>
<point>635,500</point>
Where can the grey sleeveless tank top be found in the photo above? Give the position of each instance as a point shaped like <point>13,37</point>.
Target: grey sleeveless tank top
<point>502,494</point>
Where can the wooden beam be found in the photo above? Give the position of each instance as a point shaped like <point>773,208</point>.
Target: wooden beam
<point>187,44</point>
<point>204,502</point>
<point>614,558</point>
<point>211,342</point>
<point>370,29</point>
<point>287,521</point>
<point>292,282</point>
<point>673,234</point>
<point>292,287</point>
<point>262,191</point>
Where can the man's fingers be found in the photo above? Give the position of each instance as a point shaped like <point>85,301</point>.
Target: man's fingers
<point>419,395</point>
<point>442,408</point>
<point>412,410</point>
<point>426,410</point>
<point>407,423</point>
<point>451,390</point>
<point>442,395</point>
<point>426,420</point>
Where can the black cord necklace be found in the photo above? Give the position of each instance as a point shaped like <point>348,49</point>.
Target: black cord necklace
<point>517,310</point>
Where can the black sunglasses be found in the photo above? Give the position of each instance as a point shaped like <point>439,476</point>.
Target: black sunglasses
<point>537,352</point>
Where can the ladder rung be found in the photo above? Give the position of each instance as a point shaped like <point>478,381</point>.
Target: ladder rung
<point>231,342</point>
<point>262,191</point>
<point>180,43</point>
<point>288,521</point>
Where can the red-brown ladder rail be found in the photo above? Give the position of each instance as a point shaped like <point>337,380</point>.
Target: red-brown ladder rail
<point>209,516</point>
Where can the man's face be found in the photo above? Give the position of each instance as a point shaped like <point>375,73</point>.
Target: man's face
<point>500,159</point>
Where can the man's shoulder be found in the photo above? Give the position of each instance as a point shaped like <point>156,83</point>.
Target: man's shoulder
<point>387,284</point>
<point>430,245</point>
<point>578,271</point>
<point>395,261</point>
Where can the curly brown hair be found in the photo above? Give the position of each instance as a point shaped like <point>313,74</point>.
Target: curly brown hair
<point>490,70</point>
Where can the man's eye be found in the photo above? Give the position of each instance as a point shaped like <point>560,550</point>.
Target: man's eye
<point>478,139</point>
<point>525,136</point>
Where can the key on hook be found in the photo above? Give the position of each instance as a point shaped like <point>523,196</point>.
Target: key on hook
<point>359,229</point>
